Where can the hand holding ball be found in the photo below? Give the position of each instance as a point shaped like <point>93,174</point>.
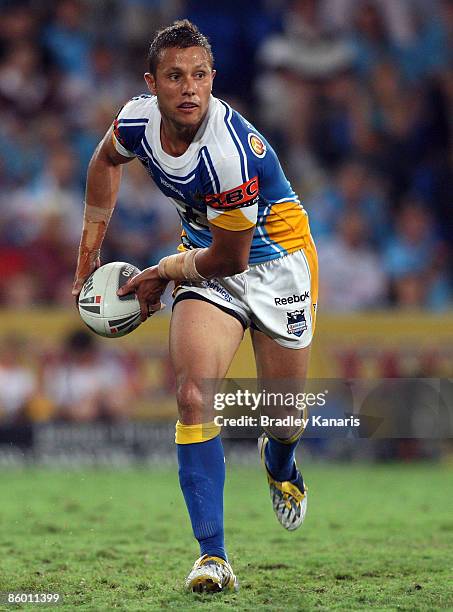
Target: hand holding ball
<point>105,312</point>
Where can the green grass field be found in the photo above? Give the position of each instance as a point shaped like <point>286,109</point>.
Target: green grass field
<point>375,537</point>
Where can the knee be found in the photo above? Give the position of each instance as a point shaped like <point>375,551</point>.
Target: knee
<point>285,429</point>
<point>190,401</point>
<point>286,435</point>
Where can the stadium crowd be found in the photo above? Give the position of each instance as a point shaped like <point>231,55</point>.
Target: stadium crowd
<point>77,379</point>
<point>355,95</point>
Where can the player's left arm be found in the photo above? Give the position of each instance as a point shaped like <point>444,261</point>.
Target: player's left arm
<point>228,253</point>
<point>232,215</point>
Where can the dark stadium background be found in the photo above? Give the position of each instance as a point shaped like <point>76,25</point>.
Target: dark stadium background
<point>357,99</point>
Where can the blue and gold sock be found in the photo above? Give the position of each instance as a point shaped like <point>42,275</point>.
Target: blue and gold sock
<point>202,477</point>
<point>280,459</point>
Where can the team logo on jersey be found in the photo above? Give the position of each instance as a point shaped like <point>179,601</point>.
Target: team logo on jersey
<point>257,145</point>
<point>244,195</point>
<point>297,323</point>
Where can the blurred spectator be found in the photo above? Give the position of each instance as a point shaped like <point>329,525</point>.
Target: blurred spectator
<point>296,62</point>
<point>371,38</point>
<point>95,123</point>
<point>67,39</point>
<point>403,124</point>
<point>236,30</point>
<point>137,18</point>
<point>54,195</point>
<point>23,86</point>
<point>18,23</point>
<point>17,380</point>
<point>397,16</point>
<point>21,291</point>
<point>84,384</point>
<point>410,291</point>
<point>352,277</point>
<point>306,45</point>
<point>23,161</point>
<point>416,260</point>
<point>53,255</point>
<point>353,190</point>
<point>142,220</point>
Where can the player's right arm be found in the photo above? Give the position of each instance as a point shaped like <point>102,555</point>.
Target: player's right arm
<point>103,181</point>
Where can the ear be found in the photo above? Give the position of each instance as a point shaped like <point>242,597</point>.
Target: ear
<point>151,82</point>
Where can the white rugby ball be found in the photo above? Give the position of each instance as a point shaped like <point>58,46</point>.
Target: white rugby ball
<point>105,312</point>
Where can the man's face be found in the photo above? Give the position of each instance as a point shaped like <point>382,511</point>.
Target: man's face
<point>182,84</point>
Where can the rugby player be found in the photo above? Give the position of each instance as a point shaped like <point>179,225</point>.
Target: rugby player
<point>246,252</point>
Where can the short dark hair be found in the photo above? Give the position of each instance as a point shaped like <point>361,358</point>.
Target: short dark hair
<point>180,34</point>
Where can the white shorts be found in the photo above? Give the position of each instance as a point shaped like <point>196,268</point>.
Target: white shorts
<point>278,297</point>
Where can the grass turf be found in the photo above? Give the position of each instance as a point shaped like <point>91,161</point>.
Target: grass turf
<point>375,537</point>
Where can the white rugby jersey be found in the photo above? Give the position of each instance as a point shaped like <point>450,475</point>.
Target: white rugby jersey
<point>229,176</point>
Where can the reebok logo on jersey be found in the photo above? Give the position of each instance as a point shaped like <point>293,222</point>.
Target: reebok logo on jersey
<point>257,145</point>
<point>234,198</point>
<point>292,299</point>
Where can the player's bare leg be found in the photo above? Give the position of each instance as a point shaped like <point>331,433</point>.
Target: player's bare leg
<point>274,361</point>
<point>203,341</point>
<point>278,445</point>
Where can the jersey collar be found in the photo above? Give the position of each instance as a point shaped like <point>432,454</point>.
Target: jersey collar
<point>194,147</point>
